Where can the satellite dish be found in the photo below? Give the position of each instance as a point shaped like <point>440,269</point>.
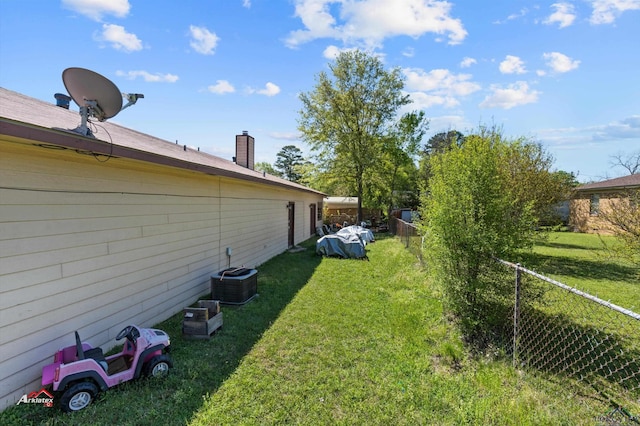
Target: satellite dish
<point>86,87</point>
<point>96,96</point>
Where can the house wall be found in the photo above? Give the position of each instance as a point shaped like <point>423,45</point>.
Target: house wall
<point>581,218</point>
<point>93,245</point>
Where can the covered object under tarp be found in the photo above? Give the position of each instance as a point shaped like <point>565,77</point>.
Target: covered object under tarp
<point>346,246</point>
<point>364,233</point>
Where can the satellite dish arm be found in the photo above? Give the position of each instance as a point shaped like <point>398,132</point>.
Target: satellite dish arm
<point>95,109</point>
<point>132,98</point>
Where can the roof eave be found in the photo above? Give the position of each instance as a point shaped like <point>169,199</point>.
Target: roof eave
<point>608,188</point>
<point>72,140</point>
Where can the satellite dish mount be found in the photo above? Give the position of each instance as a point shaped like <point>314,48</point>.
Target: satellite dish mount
<point>96,96</point>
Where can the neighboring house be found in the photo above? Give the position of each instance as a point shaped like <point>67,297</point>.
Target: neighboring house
<point>345,209</point>
<point>341,209</point>
<point>589,200</point>
<point>98,233</point>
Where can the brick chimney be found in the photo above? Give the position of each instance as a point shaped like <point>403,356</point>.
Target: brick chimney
<point>244,150</point>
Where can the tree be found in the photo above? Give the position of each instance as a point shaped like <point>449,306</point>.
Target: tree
<point>478,208</point>
<point>437,144</point>
<point>568,179</point>
<point>347,116</point>
<point>287,159</point>
<point>397,167</point>
<point>442,141</point>
<point>630,162</point>
<point>263,166</point>
<point>532,182</point>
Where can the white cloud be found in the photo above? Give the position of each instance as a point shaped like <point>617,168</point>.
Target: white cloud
<point>467,62</point>
<point>202,40</point>
<point>221,87</point>
<point>600,134</point>
<point>332,52</point>
<point>437,87</point>
<point>119,38</point>
<point>440,81</point>
<point>95,9</point>
<point>628,128</point>
<point>148,77</point>
<point>564,15</point>
<point>513,95</point>
<point>512,65</point>
<point>270,89</point>
<point>560,63</point>
<point>523,12</point>
<point>369,22</point>
<point>246,3</point>
<point>445,123</point>
<point>409,52</point>
<point>422,100</point>
<point>606,11</point>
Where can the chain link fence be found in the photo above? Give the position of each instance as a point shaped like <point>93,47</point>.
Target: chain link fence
<point>408,234</point>
<point>590,345</point>
<point>574,335</point>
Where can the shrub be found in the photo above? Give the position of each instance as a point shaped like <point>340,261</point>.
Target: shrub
<point>478,207</point>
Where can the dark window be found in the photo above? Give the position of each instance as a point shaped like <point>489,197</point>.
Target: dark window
<point>594,204</point>
<point>319,210</point>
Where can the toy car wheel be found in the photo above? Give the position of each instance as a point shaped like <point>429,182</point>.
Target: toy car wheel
<point>158,366</point>
<point>78,396</point>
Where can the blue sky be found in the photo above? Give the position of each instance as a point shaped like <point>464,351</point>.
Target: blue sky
<point>563,73</point>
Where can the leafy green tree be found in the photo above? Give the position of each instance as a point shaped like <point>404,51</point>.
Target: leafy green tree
<point>347,116</point>
<point>442,141</point>
<point>437,144</point>
<point>528,168</point>
<point>478,208</point>
<point>263,166</point>
<point>568,179</point>
<point>397,171</point>
<point>287,159</point>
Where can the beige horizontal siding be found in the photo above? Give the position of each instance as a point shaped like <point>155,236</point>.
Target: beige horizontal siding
<point>93,246</point>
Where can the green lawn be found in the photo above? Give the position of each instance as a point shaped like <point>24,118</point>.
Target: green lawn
<point>598,345</point>
<point>332,341</point>
<point>581,261</point>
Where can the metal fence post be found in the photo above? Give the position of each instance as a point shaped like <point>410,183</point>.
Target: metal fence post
<point>516,316</point>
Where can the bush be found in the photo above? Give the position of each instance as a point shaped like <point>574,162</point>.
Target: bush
<point>476,209</point>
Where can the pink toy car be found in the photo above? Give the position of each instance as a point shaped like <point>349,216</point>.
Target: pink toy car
<point>79,372</point>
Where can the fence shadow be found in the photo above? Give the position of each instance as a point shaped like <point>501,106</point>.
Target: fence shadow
<point>583,268</point>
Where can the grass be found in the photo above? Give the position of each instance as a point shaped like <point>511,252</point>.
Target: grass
<point>331,341</point>
<point>602,347</point>
<point>581,261</point>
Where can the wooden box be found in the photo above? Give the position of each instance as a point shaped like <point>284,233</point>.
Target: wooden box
<point>202,321</point>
